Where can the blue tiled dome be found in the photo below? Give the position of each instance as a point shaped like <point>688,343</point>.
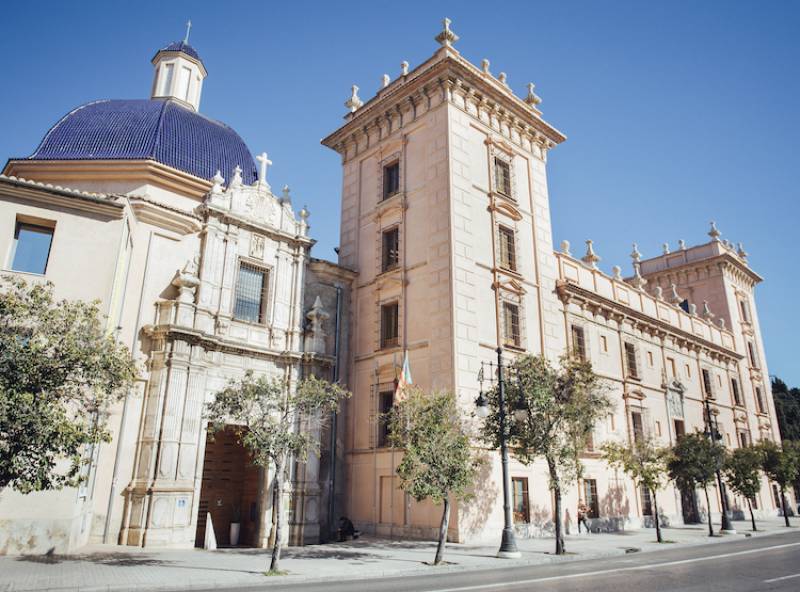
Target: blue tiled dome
<point>183,47</point>
<point>156,130</point>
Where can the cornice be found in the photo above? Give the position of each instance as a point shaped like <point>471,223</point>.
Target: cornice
<point>157,214</point>
<point>724,261</point>
<point>49,195</point>
<point>227,217</point>
<point>568,290</point>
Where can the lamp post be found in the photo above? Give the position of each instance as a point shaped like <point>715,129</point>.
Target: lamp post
<point>713,433</point>
<point>508,544</point>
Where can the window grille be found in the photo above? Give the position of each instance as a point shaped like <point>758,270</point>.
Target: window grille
<point>502,176</point>
<point>578,342</point>
<point>251,293</point>
<point>391,179</point>
<point>385,404</point>
<point>511,326</point>
<point>508,250</point>
<point>390,257</point>
<point>390,325</point>
<point>630,359</point>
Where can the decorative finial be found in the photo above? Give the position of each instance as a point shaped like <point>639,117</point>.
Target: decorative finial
<point>590,258</point>
<point>446,38</point>
<point>188,30</point>
<point>565,248</point>
<point>532,99</point>
<point>218,180</point>
<point>353,103</point>
<point>304,213</point>
<point>659,293</point>
<point>714,233</point>
<point>386,80</point>
<point>286,198</point>
<point>404,68</point>
<point>741,252</point>
<point>638,281</point>
<point>721,323</point>
<point>693,309</point>
<point>674,298</point>
<point>635,254</point>
<point>682,244</point>
<point>707,314</point>
<point>665,248</point>
<point>485,65</point>
<point>503,78</point>
<point>237,177</point>
<point>617,272</point>
<point>263,163</point>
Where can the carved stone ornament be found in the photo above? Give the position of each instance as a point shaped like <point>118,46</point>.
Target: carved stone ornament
<point>257,243</point>
<point>446,38</point>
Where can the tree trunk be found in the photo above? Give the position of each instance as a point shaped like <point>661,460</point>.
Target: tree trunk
<point>442,532</point>
<point>555,485</point>
<point>708,511</point>
<point>752,517</point>
<point>277,521</point>
<point>783,506</point>
<point>655,516</point>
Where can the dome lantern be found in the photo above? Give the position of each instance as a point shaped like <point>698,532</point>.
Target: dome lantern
<point>179,73</point>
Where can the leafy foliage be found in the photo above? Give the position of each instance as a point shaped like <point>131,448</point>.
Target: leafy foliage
<point>561,406</point>
<point>438,461</point>
<point>742,475</point>
<point>265,415</point>
<point>787,409</point>
<point>643,461</point>
<point>59,372</point>
<point>781,463</point>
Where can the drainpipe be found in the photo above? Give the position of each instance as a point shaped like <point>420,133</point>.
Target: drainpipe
<point>334,415</point>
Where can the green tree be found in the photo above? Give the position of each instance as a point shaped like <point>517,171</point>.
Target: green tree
<point>438,461</point>
<point>787,409</point>
<point>694,463</point>
<point>741,472</point>
<point>266,415</point>
<point>645,463</point>
<point>59,372</point>
<point>558,409</point>
<point>781,463</point>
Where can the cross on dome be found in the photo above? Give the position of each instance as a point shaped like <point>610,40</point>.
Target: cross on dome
<point>263,163</point>
<point>188,30</point>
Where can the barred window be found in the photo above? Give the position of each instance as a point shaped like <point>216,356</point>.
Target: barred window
<point>390,316</point>
<point>647,501</point>
<point>591,499</point>
<point>638,426</point>
<point>250,303</point>
<point>385,404</point>
<point>511,329</point>
<point>762,408</point>
<point>578,342</point>
<point>502,176</point>
<point>707,384</point>
<point>751,350</point>
<point>737,395</point>
<point>391,179</point>
<point>508,250</point>
<point>390,256</point>
<point>630,360</point>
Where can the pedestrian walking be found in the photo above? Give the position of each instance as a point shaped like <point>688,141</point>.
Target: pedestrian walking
<point>583,512</point>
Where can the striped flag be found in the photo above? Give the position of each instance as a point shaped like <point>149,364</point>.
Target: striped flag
<point>405,378</point>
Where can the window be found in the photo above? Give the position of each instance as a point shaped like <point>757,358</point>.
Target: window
<point>502,176</point>
<point>647,502</point>
<point>707,384</point>
<point>751,350</point>
<point>590,497</point>
<point>508,253</point>
<point>521,507</point>
<point>630,360</point>
<point>737,395</point>
<point>658,428</point>
<point>590,441</point>
<point>390,257</point>
<point>183,83</point>
<point>578,342</point>
<point>744,438</point>
<point>250,302</point>
<point>31,248</point>
<point>604,343</point>
<point>671,366</point>
<point>390,325</point>
<point>638,426</point>
<point>688,371</point>
<point>511,332</point>
<point>385,404</point>
<point>166,80</point>
<point>391,179</point>
<point>680,430</point>
<point>776,496</point>
<point>650,359</point>
<point>762,408</point>
<point>745,308</point>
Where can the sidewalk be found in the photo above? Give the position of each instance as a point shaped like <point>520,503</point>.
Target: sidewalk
<point>106,567</point>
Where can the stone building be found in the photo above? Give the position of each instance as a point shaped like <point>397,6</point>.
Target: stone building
<point>203,279</point>
<point>446,254</point>
<point>446,218</point>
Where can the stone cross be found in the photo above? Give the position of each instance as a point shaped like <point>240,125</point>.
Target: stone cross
<point>263,163</point>
<point>188,30</point>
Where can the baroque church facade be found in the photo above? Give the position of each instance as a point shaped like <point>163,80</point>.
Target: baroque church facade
<point>206,273</point>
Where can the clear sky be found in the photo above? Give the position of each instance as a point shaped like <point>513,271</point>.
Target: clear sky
<point>676,112</point>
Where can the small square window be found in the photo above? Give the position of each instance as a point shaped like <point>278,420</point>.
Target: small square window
<point>31,248</point>
<point>250,301</point>
<point>511,328</point>
<point>508,254</point>
<point>390,316</point>
<point>390,256</point>
<point>391,179</point>
<point>502,176</point>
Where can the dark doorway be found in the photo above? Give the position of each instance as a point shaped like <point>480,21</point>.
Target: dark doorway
<point>691,515</point>
<point>229,491</point>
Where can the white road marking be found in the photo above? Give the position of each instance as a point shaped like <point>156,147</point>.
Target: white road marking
<point>617,570</point>
<point>797,575</point>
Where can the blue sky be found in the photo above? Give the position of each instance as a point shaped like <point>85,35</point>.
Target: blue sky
<point>676,112</point>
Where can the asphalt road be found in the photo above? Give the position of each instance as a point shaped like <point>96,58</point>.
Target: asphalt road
<point>765,563</point>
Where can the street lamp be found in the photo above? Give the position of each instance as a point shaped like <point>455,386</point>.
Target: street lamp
<point>712,430</point>
<point>508,544</point>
